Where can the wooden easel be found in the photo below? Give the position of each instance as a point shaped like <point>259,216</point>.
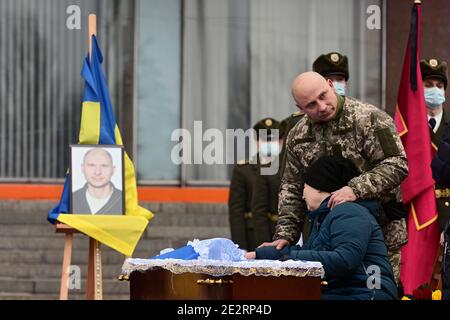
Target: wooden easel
<point>94,289</point>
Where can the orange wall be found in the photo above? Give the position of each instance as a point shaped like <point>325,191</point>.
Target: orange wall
<point>147,194</point>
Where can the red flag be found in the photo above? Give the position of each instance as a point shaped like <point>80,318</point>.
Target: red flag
<point>419,254</point>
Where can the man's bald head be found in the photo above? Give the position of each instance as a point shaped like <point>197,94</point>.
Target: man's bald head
<point>315,96</point>
<point>97,152</point>
<point>98,168</point>
<point>306,82</point>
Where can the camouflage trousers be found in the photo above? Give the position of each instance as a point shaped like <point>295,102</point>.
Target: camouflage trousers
<point>394,258</point>
<point>395,236</point>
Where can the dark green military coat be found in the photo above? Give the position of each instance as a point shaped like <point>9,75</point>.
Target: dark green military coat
<point>265,205</point>
<point>443,202</point>
<point>266,190</point>
<point>437,137</point>
<point>239,205</point>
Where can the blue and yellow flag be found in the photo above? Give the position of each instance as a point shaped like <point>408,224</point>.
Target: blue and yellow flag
<point>98,126</point>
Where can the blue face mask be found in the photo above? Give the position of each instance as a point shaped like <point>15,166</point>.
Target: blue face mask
<point>339,88</point>
<point>434,97</point>
<point>269,149</point>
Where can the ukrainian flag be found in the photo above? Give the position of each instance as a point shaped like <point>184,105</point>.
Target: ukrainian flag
<point>98,126</point>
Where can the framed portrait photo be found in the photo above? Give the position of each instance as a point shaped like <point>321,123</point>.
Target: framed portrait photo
<point>97,179</point>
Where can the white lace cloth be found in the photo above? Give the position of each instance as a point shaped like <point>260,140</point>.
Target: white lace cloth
<point>217,249</point>
<point>220,268</point>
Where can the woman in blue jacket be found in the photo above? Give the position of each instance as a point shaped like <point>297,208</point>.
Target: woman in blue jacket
<point>346,239</point>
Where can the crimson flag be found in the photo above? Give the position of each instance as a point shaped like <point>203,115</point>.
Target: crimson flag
<point>419,254</point>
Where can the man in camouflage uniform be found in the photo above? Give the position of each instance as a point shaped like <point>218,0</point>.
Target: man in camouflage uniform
<point>285,126</point>
<point>337,125</point>
<point>244,231</point>
<point>334,66</point>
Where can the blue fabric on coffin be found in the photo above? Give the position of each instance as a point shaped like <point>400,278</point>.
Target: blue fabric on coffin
<point>209,249</point>
<point>184,253</point>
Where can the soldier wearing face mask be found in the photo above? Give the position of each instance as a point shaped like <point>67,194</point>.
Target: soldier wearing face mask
<point>435,78</point>
<point>265,191</point>
<point>246,226</point>
<point>333,66</point>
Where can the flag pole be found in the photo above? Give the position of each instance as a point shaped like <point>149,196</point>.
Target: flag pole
<point>92,30</point>
<point>94,281</point>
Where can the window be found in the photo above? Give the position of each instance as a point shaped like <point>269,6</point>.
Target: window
<point>159,113</point>
<point>40,84</point>
<point>240,57</point>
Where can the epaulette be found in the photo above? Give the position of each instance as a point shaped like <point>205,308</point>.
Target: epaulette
<point>297,114</point>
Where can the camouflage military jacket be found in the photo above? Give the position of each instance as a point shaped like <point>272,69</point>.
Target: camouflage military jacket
<point>360,132</point>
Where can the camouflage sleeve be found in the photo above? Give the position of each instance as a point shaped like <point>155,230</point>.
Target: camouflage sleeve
<point>383,148</point>
<point>291,206</point>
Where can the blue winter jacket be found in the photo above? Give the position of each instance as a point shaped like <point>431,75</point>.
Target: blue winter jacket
<point>349,243</point>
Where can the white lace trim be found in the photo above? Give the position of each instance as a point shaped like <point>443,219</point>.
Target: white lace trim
<point>229,252</point>
<point>224,268</point>
<point>201,247</point>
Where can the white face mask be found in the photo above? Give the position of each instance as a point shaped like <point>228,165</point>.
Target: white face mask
<point>434,97</point>
<point>339,88</point>
<point>269,149</point>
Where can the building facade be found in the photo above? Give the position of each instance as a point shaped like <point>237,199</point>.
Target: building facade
<point>170,63</point>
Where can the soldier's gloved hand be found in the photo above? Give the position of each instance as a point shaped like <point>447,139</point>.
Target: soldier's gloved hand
<point>280,244</point>
<point>342,195</point>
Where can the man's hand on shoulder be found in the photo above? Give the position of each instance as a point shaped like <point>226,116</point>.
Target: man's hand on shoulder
<point>342,195</point>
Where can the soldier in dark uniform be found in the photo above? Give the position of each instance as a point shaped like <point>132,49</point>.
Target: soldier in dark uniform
<point>265,196</point>
<point>435,78</point>
<point>333,66</point>
<point>441,173</point>
<point>244,232</point>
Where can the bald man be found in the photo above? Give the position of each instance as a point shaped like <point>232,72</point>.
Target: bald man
<point>98,195</point>
<point>340,126</point>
